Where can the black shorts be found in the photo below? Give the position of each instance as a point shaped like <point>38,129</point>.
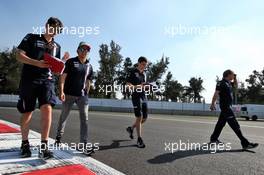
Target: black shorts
<point>30,92</point>
<point>140,106</point>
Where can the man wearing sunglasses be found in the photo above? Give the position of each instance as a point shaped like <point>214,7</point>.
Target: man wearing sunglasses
<point>74,88</point>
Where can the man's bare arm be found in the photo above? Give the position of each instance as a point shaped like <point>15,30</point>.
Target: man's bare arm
<point>62,82</point>
<point>214,99</point>
<point>23,58</point>
<point>88,86</point>
<point>61,86</point>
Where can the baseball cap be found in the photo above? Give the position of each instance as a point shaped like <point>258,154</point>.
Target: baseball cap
<point>84,44</point>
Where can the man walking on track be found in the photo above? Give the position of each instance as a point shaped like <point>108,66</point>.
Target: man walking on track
<point>74,88</point>
<point>136,81</point>
<point>224,92</point>
<point>37,83</point>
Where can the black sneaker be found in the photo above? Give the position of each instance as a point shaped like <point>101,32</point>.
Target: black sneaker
<point>130,132</point>
<point>82,147</point>
<point>88,152</point>
<point>25,150</point>
<point>45,154</point>
<point>250,146</point>
<point>58,141</point>
<point>140,143</point>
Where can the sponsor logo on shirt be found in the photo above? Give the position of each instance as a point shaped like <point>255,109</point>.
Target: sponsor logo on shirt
<point>76,64</point>
<point>41,44</point>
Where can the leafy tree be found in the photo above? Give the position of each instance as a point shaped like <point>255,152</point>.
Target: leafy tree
<point>122,75</point>
<point>155,72</point>
<point>173,89</point>
<point>194,90</point>
<point>10,70</point>
<point>110,60</point>
<point>255,87</point>
<point>242,93</point>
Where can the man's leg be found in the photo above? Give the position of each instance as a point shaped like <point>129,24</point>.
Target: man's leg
<point>140,113</point>
<point>46,99</point>
<point>138,125</point>
<point>66,107</point>
<point>82,103</point>
<point>231,120</point>
<point>24,124</point>
<point>143,121</point>
<point>144,112</point>
<point>46,118</point>
<point>26,105</point>
<point>83,106</point>
<point>218,127</point>
<point>137,112</point>
<point>236,128</point>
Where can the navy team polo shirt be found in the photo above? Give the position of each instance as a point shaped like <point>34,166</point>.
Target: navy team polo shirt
<point>77,75</point>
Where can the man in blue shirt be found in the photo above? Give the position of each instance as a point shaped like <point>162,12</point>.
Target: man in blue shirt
<point>37,83</point>
<point>224,91</point>
<point>136,82</point>
<point>74,88</point>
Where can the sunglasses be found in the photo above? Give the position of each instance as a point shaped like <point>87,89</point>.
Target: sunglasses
<point>84,49</point>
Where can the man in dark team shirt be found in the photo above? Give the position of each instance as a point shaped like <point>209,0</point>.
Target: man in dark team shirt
<point>74,88</point>
<point>224,91</point>
<point>37,83</point>
<point>136,81</point>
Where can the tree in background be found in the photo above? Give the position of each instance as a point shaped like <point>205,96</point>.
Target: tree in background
<point>255,87</point>
<point>113,70</point>
<point>156,71</point>
<point>193,91</point>
<point>122,75</point>
<point>242,93</point>
<point>10,70</point>
<point>110,63</point>
<point>173,89</point>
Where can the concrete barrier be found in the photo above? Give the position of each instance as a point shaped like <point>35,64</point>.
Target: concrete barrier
<point>114,105</point>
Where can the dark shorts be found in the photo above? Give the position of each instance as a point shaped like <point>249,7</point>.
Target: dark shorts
<point>30,92</point>
<point>140,106</point>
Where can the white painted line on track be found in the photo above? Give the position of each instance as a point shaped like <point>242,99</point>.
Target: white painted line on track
<point>179,120</point>
<point>10,161</point>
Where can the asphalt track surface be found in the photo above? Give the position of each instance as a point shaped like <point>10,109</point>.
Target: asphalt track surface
<point>159,133</point>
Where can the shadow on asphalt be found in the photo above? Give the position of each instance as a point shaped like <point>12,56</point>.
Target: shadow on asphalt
<point>115,145</point>
<point>170,157</point>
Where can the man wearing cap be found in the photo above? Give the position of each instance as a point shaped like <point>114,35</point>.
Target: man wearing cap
<point>74,88</point>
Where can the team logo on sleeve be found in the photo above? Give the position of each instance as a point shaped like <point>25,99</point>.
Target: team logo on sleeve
<point>218,84</point>
<point>26,37</point>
